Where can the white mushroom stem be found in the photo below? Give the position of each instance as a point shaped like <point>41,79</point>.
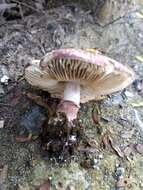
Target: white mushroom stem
<point>72,92</point>
<point>71,100</point>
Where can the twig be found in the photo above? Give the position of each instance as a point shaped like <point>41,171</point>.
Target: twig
<point>21,11</point>
<point>139,122</point>
<point>39,101</point>
<point>5,104</point>
<point>42,49</point>
<point>26,5</point>
<point>4,6</point>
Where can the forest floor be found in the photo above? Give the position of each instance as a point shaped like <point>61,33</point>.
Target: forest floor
<point>110,149</point>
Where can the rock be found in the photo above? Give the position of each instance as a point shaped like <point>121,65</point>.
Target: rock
<point>33,120</point>
<point>128,94</point>
<point>4,79</point>
<point>138,85</point>
<point>4,75</point>
<point>117,99</point>
<point>119,173</point>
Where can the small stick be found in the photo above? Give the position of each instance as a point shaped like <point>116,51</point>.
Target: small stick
<point>4,6</point>
<point>38,100</point>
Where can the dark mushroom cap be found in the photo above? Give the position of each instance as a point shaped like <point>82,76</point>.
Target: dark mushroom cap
<point>96,73</point>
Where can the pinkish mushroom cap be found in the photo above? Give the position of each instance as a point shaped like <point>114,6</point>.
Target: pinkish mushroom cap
<point>78,76</point>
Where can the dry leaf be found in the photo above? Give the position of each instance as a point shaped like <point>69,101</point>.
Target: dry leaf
<point>45,186</point>
<point>139,15</point>
<point>23,139</point>
<point>139,58</point>
<point>128,151</point>
<point>88,163</point>
<point>92,143</point>
<point>105,140</point>
<point>139,104</point>
<point>95,117</point>
<point>124,182</point>
<point>93,50</point>
<point>38,100</point>
<point>116,148</point>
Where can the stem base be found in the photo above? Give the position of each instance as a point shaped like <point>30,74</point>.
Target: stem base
<point>69,108</point>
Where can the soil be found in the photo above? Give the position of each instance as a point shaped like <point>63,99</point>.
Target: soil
<point>108,152</point>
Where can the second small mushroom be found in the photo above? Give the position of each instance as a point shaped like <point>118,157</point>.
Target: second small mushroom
<point>76,75</point>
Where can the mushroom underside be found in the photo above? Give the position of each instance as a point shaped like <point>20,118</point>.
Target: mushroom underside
<point>75,80</point>
<point>89,90</point>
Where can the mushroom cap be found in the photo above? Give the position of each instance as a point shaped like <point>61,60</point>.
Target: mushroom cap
<point>97,74</point>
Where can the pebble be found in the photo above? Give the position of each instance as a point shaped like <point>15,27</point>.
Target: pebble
<point>100,156</point>
<point>96,164</point>
<point>128,94</point>
<point>138,85</point>
<point>119,173</point>
<point>73,138</point>
<point>115,99</point>
<point>4,79</point>
<point>4,75</point>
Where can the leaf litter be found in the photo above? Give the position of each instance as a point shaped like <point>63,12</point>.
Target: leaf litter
<point>108,141</point>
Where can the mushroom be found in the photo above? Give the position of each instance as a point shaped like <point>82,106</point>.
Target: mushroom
<point>76,75</point>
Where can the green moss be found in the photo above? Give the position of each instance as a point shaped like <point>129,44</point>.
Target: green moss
<point>66,175</point>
